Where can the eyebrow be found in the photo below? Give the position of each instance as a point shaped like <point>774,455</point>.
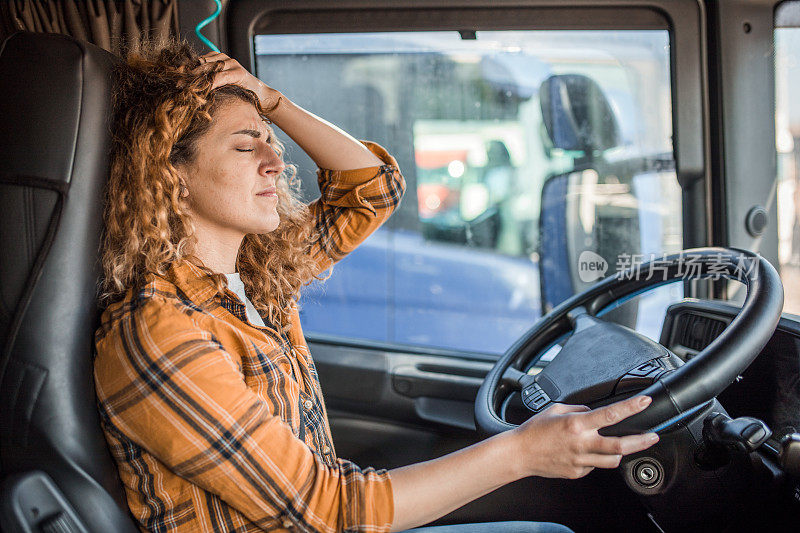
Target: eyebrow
<point>252,133</point>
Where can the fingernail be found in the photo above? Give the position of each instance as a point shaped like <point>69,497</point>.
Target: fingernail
<point>645,401</point>
<point>652,437</point>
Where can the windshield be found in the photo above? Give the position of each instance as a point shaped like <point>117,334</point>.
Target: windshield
<point>522,150</point>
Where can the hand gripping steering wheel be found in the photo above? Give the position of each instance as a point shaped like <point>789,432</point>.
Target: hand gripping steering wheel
<point>601,361</point>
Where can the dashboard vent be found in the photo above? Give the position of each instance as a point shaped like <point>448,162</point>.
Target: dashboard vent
<point>697,331</point>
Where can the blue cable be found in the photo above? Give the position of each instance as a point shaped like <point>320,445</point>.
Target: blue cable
<point>205,23</point>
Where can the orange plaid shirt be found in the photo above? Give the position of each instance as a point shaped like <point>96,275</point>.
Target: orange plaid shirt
<point>219,425</point>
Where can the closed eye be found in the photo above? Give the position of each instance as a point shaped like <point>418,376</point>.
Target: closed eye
<point>243,150</point>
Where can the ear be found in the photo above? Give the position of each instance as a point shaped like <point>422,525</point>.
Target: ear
<point>184,190</point>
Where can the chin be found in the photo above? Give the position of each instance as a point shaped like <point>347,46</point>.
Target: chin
<point>267,228</point>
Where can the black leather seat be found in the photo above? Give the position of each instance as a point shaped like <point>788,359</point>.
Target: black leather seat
<point>55,106</point>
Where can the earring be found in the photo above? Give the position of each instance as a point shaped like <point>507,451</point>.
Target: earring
<point>184,191</point>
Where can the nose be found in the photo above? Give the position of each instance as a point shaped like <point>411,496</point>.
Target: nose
<point>272,163</point>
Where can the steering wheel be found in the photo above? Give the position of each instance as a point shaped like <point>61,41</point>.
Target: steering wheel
<point>602,361</point>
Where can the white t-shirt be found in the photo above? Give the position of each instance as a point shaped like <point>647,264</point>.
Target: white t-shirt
<point>236,285</point>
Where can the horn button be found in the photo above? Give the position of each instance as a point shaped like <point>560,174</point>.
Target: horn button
<point>595,365</point>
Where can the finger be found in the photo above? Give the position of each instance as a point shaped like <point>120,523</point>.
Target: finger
<point>226,77</point>
<point>601,460</point>
<point>637,443</point>
<point>209,56</point>
<point>611,414</point>
<point>226,61</point>
<point>623,445</point>
<point>206,66</point>
<point>228,65</point>
<point>563,408</point>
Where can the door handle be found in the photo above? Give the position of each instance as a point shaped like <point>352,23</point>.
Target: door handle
<point>445,382</point>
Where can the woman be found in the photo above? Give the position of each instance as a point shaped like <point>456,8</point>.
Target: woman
<point>208,395</point>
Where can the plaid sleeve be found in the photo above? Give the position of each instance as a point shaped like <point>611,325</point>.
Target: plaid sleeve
<point>353,204</point>
<point>172,389</point>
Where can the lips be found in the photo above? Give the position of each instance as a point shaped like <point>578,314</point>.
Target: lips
<point>270,192</point>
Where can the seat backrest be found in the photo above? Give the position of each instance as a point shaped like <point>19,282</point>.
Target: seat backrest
<point>55,110</point>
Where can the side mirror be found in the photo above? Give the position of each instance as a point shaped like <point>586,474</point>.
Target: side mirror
<point>577,115</point>
<point>584,226</point>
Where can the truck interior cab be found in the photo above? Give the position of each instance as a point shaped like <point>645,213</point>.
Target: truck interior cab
<point>603,200</point>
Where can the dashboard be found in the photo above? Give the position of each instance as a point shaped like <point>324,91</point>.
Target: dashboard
<point>770,387</point>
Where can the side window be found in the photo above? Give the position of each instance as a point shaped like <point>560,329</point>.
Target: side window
<point>524,151</point>
<point>787,136</point>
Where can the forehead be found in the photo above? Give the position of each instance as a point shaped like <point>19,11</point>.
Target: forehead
<point>237,114</point>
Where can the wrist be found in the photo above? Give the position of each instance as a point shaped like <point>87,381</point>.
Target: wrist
<point>270,99</point>
<point>513,455</point>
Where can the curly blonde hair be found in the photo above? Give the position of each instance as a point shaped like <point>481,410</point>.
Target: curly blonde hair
<point>163,104</point>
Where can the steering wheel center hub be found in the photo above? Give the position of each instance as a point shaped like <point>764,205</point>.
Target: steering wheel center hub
<point>598,363</point>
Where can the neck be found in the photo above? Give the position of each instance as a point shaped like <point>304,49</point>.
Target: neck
<point>217,250</point>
